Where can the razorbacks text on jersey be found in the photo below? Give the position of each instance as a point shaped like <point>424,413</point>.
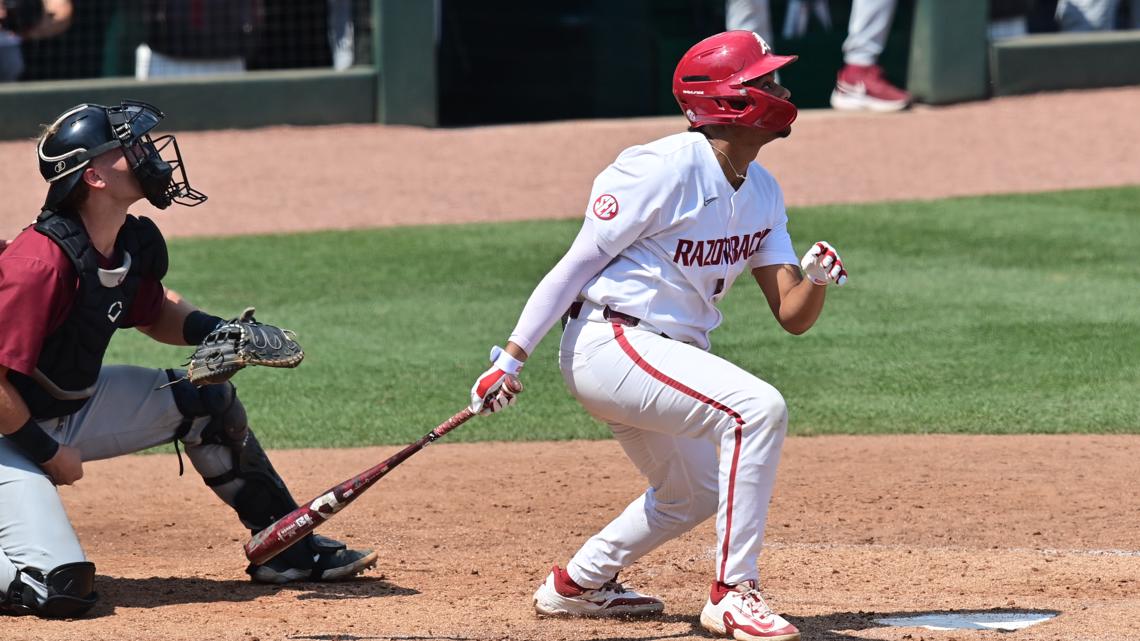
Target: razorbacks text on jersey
<point>681,234</point>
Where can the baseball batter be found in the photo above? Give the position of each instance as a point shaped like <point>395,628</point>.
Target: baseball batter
<point>85,269</point>
<point>669,227</point>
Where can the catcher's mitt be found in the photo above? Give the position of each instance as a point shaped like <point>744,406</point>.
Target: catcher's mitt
<point>240,342</point>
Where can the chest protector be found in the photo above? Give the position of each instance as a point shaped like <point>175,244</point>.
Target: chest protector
<point>72,356</point>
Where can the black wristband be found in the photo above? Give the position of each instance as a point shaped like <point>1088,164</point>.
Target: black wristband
<point>198,325</point>
<point>34,441</point>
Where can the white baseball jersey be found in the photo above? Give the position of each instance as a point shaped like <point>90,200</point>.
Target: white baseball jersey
<point>680,234</point>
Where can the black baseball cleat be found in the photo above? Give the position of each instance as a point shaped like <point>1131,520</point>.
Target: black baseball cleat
<point>316,558</point>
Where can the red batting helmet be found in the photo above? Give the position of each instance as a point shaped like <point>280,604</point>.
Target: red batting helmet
<point>709,83</point>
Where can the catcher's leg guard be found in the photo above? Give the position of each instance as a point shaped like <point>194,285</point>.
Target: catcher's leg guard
<point>238,471</point>
<point>69,589</point>
<point>235,466</point>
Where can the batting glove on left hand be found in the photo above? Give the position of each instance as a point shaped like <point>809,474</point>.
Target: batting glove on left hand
<point>822,264</point>
<point>496,388</point>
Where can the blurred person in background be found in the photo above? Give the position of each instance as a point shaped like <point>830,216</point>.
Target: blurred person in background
<point>860,84</point>
<point>28,20</point>
<point>197,37</point>
<point>341,34</point>
<point>1009,18</point>
<point>308,35</point>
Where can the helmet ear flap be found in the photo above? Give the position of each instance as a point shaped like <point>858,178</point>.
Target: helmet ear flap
<point>734,104</point>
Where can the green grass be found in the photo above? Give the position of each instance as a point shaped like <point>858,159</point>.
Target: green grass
<point>1006,314</point>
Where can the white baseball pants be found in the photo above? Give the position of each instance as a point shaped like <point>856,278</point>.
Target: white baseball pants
<point>671,406</point>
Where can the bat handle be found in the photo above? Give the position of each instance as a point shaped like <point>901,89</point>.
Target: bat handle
<point>455,421</point>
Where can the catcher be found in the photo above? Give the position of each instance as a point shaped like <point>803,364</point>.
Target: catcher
<point>67,282</point>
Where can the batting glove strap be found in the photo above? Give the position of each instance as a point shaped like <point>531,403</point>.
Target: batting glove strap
<point>505,362</point>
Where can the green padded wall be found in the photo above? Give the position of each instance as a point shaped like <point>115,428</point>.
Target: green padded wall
<point>1056,61</point>
<point>252,99</point>
<point>948,52</point>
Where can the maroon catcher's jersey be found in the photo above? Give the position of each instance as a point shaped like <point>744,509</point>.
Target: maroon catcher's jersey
<point>38,285</point>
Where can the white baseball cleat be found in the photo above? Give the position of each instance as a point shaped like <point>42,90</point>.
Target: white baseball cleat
<point>740,612</point>
<point>560,596</point>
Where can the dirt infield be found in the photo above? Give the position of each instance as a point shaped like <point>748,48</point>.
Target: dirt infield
<point>861,527</point>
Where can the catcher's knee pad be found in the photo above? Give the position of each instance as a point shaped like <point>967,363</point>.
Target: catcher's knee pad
<point>70,591</point>
<point>228,422</point>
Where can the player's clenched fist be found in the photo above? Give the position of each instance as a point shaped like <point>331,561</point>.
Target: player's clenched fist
<point>822,264</point>
<point>497,387</point>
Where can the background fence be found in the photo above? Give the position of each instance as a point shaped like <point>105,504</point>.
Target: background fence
<point>133,38</point>
<point>240,63</point>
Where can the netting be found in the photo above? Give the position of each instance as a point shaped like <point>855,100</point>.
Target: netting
<point>163,38</point>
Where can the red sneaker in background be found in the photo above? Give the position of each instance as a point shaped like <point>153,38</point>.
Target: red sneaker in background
<point>863,88</point>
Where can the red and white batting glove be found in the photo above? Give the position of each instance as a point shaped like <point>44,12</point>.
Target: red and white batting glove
<point>496,388</point>
<point>822,264</point>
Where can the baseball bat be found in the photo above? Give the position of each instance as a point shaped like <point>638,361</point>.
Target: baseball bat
<point>292,527</point>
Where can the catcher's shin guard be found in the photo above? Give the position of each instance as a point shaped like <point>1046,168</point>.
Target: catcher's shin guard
<point>229,457</point>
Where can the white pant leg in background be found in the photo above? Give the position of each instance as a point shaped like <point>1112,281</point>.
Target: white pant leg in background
<point>1087,15</point>
<point>152,64</point>
<point>749,15</point>
<point>636,379</point>
<point>867,31</point>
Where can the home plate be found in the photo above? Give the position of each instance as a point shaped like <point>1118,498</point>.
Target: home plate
<point>1006,621</point>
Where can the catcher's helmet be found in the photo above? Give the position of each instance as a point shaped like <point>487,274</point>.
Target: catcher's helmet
<point>87,131</point>
<point>709,83</point>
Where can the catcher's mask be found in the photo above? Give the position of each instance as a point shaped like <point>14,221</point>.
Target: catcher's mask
<point>86,131</point>
<point>709,83</point>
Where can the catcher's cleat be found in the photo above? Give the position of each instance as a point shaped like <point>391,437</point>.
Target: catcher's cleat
<point>560,596</point>
<point>316,558</point>
<point>739,612</point>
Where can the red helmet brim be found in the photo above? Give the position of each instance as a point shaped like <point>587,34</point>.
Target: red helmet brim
<point>765,66</point>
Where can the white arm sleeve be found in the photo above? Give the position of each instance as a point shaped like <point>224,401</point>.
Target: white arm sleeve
<point>559,288</point>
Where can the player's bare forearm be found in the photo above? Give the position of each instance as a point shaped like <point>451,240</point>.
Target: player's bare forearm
<point>13,411</point>
<point>794,300</point>
<point>168,328</point>
<point>801,307</point>
<point>516,351</point>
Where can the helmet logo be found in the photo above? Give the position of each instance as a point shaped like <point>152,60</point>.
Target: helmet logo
<point>605,207</point>
<point>60,166</point>
<point>763,45</point>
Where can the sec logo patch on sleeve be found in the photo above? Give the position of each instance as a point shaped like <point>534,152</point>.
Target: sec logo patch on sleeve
<point>606,207</point>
